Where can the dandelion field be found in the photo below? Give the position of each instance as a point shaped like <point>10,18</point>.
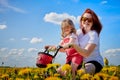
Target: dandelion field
<point>49,73</point>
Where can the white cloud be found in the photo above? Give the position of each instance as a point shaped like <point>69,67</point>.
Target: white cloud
<point>36,40</point>
<point>25,39</point>
<point>13,51</point>
<point>3,49</point>
<point>12,39</point>
<point>32,49</point>
<point>3,26</point>
<point>57,18</point>
<point>5,4</point>
<point>112,51</point>
<point>21,51</point>
<point>16,51</point>
<point>104,2</point>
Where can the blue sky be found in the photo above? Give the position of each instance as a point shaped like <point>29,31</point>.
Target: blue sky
<point>26,26</point>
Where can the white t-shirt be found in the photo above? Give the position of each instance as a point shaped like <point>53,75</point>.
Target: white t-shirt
<point>90,37</point>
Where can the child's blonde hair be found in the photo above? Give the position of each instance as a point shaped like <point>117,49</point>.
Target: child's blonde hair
<point>67,23</point>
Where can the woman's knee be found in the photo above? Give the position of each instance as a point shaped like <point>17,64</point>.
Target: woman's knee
<point>90,68</point>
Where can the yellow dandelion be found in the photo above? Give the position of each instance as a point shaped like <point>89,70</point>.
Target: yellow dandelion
<point>19,79</point>
<point>56,65</point>
<point>81,72</point>
<point>105,69</point>
<point>102,75</point>
<point>96,77</point>
<point>24,71</point>
<point>36,77</point>
<point>66,67</point>
<point>86,77</point>
<point>39,70</point>
<point>113,68</point>
<point>49,65</point>
<point>10,78</point>
<point>5,76</point>
<point>56,75</point>
<point>53,78</point>
<point>114,78</point>
<point>52,65</point>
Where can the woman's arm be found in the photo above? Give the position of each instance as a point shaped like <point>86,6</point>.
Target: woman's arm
<point>84,52</point>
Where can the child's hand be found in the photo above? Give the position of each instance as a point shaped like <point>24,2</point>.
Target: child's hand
<point>46,47</point>
<point>52,48</point>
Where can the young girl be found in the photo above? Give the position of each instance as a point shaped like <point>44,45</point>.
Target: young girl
<point>68,34</point>
<point>69,37</point>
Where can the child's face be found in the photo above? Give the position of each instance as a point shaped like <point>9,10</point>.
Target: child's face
<point>67,30</point>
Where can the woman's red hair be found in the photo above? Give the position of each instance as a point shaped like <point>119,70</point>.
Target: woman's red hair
<point>96,23</point>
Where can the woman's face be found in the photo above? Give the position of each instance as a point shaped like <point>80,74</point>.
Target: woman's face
<point>87,21</point>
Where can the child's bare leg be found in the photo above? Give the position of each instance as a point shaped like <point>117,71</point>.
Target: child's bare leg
<point>74,69</point>
<point>62,73</point>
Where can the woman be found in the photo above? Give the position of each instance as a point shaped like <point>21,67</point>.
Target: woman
<point>88,36</point>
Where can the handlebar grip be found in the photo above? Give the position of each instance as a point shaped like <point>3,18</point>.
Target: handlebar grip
<point>58,47</point>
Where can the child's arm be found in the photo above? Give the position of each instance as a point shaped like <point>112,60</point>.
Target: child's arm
<point>71,41</point>
<point>62,49</point>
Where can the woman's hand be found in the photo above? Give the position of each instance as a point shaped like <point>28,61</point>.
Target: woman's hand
<point>66,46</point>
